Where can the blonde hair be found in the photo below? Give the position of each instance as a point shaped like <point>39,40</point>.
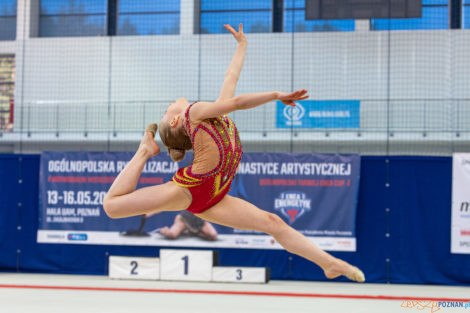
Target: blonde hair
<point>175,139</point>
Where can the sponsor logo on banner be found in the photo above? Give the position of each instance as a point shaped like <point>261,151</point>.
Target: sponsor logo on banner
<point>345,243</point>
<point>292,205</point>
<point>241,241</point>
<point>294,115</point>
<point>259,241</point>
<point>56,236</point>
<point>319,114</point>
<point>77,237</point>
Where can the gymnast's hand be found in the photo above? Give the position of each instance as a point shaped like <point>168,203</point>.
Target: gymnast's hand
<point>289,98</point>
<point>239,36</point>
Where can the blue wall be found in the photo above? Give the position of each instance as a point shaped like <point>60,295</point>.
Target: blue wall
<point>417,191</point>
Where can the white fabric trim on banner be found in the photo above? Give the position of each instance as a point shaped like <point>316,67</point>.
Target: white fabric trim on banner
<point>155,239</point>
<point>460,237</point>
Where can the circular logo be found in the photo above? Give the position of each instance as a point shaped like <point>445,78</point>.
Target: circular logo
<point>294,113</point>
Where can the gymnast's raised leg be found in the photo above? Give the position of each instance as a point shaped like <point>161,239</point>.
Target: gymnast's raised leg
<point>123,200</point>
<point>238,213</point>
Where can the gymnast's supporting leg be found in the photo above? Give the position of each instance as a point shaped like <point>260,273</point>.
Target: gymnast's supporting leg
<point>127,180</point>
<point>238,213</point>
<point>122,200</point>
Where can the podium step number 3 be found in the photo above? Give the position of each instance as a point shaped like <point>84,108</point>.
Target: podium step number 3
<point>186,265</point>
<point>228,274</point>
<point>123,267</point>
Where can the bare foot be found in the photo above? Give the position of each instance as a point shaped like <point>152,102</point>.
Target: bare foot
<point>340,267</point>
<point>148,144</point>
<point>164,230</point>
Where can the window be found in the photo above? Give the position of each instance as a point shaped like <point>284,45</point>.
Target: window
<point>65,18</point>
<point>8,19</point>
<point>294,20</point>
<point>146,17</point>
<point>435,15</point>
<point>256,15</point>
<point>466,14</point>
<point>7,81</point>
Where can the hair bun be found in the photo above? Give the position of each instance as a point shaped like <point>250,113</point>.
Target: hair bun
<point>177,154</point>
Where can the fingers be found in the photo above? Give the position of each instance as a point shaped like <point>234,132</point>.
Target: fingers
<point>233,31</point>
<point>294,96</point>
<point>299,94</point>
<point>230,29</point>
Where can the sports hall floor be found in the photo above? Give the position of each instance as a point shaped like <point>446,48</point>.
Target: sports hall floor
<point>37,293</point>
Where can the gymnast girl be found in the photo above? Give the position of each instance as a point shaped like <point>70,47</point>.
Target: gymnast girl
<point>201,188</point>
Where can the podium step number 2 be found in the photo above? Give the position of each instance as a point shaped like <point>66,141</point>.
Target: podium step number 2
<point>144,268</point>
<point>186,265</point>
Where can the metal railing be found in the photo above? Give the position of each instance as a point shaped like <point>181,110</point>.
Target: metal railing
<point>405,126</point>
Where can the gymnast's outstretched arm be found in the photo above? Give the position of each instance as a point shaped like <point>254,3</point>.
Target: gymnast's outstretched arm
<point>233,71</point>
<point>204,110</point>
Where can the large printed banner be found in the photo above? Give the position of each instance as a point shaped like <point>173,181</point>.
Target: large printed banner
<point>460,239</point>
<point>315,194</point>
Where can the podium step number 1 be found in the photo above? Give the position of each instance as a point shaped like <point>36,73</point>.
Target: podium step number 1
<point>123,267</point>
<point>186,265</point>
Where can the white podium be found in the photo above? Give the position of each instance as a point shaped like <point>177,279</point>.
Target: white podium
<point>189,265</point>
<point>184,265</point>
<point>124,267</point>
<point>231,274</point>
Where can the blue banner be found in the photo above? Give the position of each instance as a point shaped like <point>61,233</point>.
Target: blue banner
<point>319,114</point>
<point>315,194</point>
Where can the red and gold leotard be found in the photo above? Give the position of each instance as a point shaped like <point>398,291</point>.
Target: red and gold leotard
<point>209,188</point>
